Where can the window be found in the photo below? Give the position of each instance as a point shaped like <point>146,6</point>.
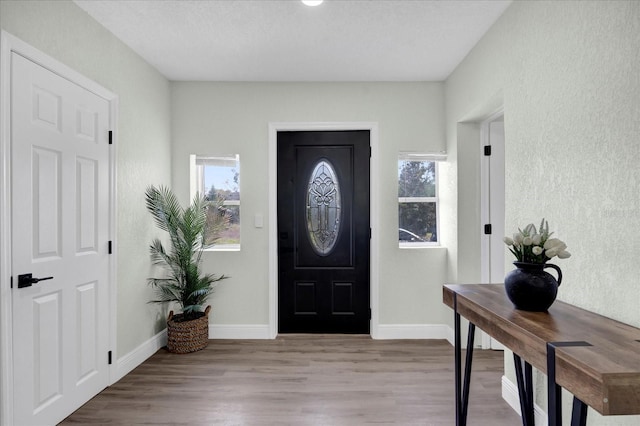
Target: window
<point>418,199</point>
<point>324,208</point>
<point>218,179</point>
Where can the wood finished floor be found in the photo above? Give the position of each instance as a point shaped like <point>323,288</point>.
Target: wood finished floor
<point>302,380</point>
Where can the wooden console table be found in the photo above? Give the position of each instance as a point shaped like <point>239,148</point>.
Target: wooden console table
<point>595,358</point>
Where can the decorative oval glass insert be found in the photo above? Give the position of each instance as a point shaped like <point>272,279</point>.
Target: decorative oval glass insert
<point>323,208</point>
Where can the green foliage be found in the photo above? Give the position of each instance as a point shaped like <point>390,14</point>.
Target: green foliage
<point>187,229</point>
<point>221,218</point>
<point>417,179</point>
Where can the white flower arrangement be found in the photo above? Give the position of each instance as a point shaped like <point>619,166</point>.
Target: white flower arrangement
<point>533,245</point>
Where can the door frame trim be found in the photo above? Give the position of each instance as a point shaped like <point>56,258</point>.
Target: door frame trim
<point>485,262</point>
<point>10,44</point>
<point>484,196</point>
<point>374,249</point>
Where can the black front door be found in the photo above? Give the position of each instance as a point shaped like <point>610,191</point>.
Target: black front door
<point>323,232</point>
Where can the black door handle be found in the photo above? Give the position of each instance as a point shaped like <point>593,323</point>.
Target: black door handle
<point>26,280</point>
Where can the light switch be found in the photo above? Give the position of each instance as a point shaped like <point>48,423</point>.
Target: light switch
<point>258,220</point>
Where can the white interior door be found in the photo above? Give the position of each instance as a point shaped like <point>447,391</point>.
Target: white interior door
<point>492,182</point>
<point>60,229</point>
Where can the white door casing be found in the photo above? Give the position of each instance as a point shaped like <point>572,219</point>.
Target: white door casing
<point>61,224</point>
<point>374,254</point>
<point>493,200</point>
<point>492,206</point>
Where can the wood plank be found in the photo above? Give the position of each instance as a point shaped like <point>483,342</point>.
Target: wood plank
<point>605,375</point>
<point>302,379</point>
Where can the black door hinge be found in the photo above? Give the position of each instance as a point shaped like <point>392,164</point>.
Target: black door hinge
<point>369,152</point>
<point>12,282</point>
<point>487,229</point>
<point>370,232</point>
<point>369,313</point>
<point>110,137</point>
<point>110,247</point>
<point>487,150</point>
<point>109,356</point>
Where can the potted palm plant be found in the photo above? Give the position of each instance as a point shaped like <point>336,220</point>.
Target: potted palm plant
<point>184,282</point>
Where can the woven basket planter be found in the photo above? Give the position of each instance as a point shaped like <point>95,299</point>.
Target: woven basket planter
<point>187,336</point>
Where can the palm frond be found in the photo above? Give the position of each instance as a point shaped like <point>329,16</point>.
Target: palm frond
<point>187,229</point>
<point>164,206</point>
<point>167,293</point>
<point>158,254</point>
<point>218,219</point>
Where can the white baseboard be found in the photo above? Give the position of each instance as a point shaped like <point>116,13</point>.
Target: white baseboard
<point>239,331</point>
<point>128,362</point>
<point>413,331</point>
<point>510,394</point>
<point>451,336</point>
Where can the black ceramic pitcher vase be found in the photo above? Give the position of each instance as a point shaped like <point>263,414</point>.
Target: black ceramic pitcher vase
<point>530,288</point>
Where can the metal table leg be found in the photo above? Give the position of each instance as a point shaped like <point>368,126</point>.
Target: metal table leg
<point>579,413</point>
<point>462,388</point>
<point>525,390</point>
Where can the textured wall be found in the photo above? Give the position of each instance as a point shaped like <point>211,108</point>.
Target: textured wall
<point>67,33</point>
<point>568,75</point>
<point>219,118</point>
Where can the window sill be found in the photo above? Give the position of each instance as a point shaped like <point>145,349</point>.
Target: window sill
<point>226,247</point>
<point>414,246</point>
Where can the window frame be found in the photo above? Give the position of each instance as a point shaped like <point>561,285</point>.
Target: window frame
<point>197,163</point>
<point>422,157</point>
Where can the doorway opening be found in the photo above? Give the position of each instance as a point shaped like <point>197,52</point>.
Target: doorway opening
<point>323,232</point>
<point>274,130</point>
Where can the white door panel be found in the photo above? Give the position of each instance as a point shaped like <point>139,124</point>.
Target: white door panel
<point>60,229</point>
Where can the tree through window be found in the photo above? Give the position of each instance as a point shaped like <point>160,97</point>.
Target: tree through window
<point>218,178</point>
<point>417,200</point>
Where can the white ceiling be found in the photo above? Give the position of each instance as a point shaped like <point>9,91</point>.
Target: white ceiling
<point>268,40</point>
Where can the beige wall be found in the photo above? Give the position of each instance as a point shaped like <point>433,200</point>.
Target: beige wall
<point>65,32</point>
<point>567,73</point>
<point>222,118</point>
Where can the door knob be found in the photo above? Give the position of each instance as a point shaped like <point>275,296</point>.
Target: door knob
<point>26,280</point>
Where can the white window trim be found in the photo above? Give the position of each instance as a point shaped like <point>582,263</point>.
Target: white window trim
<point>196,184</point>
<point>419,156</point>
